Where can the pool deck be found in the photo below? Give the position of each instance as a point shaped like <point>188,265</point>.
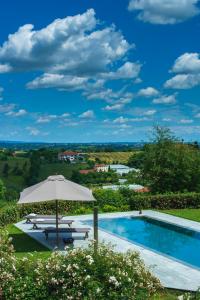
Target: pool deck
<point>172,273</point>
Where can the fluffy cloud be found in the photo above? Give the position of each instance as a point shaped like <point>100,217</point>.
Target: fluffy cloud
<point>164,11</point>
<point>187,63</point>
<point>150,112</point>
<point>33,131</point>
<point>148,92</point>
<point>48,118</point>
<point>113,107</point>
<point>4,108</point>
<point>63,82</point>
<point>96,53</point>
<point>19,113</point>
<point>164,99</point>
<point>187,67</point>
<point>120,120</point>
<point>186,121</point>
<point>128,70</point>
<point>5,68</point>
<point>87,114</point>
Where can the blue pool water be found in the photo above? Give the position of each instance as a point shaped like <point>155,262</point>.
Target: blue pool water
<point>168,239</point>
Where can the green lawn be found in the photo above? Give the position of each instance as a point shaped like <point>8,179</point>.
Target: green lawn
<point>191,214</point>
<point>24,244</point>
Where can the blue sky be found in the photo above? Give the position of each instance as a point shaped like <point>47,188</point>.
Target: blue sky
<point>99,71</point>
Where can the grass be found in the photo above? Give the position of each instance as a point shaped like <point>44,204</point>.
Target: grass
<point>24,244</point>
<point>188,213</point>
<point>167,294</point>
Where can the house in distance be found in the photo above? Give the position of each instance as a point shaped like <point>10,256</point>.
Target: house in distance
<point>70,156</point>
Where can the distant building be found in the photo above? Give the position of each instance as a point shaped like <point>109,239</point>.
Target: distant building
<point>86,171</point>
<point>69,155</point>
<point>122,169</point>
<point>101,168</point>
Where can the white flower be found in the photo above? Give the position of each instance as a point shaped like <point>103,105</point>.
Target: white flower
<point>113,280</point>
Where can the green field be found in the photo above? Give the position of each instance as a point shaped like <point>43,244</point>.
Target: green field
<point>112,157</point>
<point>188,213</point>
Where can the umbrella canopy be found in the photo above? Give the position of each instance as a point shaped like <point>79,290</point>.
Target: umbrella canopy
<point>55,188</point>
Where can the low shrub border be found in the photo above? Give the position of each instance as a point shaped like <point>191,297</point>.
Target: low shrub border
<point>108,201</point>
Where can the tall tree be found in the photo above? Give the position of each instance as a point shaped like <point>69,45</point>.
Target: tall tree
<point>170,165</point>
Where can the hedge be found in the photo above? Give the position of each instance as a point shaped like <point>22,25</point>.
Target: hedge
<point>107,200</point>
<point>165,201</point>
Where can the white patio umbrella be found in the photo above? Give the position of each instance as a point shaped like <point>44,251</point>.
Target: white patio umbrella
<point>55,188</point>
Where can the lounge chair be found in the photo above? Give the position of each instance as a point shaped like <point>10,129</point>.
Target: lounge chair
<point>66,230</point>
<point>36,216</point>
<point>37,222</point>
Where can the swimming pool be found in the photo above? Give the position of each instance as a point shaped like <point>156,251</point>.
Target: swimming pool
<point>177,242</point>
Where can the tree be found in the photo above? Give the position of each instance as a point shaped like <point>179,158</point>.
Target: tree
<point>5,169</point>
<point>2,190</point>
<point>169,165</point>
<point>136,160</point>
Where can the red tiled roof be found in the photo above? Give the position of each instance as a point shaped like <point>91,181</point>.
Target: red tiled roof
<point>69,153</point>
<point>86,171</point>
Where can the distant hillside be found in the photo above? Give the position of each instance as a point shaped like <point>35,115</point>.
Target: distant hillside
<point>87,147</point>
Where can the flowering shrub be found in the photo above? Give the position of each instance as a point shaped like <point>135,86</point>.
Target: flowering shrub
<point>79,274</point>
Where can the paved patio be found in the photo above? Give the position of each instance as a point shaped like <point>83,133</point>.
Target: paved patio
<point>172,273</point>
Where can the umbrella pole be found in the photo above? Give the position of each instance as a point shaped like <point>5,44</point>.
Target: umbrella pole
<point>57,237</point>
<point>95,229</point>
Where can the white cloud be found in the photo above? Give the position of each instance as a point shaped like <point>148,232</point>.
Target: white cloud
<point>5,68</point>
<point>19,113</point>
<point>128,70</point>
<point>139,119</point>
<point>150,112</point>
<point>183,81</point>
<point>164,99</point>
<point>4,108</point>
<point>187,67</point>
<point>148,92</point>
<point>46,118</point>
<point>187,63</point>
<point>94,51</point>
<point>59,81</point>
<point>166,119</point>
<point>186,121</point>
<point>113,107</point>
<point>33,131</point>
<point>120,120</point>
<point>87,114</point>
<point>164,11</point>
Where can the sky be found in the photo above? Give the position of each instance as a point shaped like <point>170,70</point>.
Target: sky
<point>99,71</point>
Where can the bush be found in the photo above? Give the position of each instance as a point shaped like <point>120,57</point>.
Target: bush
<point>9,215</point>
<point>166,201</point>
<point>80,274</point>
<point>109,197</point>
